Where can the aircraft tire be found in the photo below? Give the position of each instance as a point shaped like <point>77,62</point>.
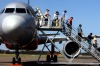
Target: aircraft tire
<point>55,58</point>
<point>48,58</point>
<point>19,60</point>
<point>13,60</point>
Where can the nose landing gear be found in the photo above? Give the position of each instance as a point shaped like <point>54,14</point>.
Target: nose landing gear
<point>16,61</point>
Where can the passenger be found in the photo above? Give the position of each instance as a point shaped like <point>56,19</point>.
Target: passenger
<point>56,15</point>
<point>95,42</point>
<point>57,22</point>
<point>63,19</point>
<point>69,24</point>
<point>46,15</point>
<point>54,22</point>
<point>89,40</point>
<point>55,18</point>
<point>63,16</point>
<point>80,32</point>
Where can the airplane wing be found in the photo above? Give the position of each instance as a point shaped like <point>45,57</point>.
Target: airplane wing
<point>98,36</point>
<point>42,40</point>
<point>48,34</point>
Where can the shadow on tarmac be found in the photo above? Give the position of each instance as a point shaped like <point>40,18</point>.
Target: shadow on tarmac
<point>42,63</point>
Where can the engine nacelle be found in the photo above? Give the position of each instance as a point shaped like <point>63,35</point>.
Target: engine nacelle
<point>71,49</point>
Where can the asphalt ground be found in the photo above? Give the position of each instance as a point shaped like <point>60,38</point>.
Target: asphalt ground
<point>31,60</point>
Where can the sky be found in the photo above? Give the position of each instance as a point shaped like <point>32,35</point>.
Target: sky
<point>85,12</point>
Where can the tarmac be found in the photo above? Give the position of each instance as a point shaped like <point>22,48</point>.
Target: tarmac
<point>31,60</point>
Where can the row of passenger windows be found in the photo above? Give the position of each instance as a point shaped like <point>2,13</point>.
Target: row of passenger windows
<point>17,10</point>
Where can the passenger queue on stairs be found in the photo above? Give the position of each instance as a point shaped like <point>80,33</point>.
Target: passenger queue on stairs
<point>57,21</point>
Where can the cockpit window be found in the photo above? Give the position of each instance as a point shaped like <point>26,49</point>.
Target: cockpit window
<point>9,10</point>
<point>30,12</point>
<point>20,10</point>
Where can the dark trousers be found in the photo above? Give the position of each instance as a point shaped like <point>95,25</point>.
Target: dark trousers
<point>79,37</point>
<point>79,34</point>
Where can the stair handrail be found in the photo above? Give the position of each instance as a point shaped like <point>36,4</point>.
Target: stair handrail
<point>73,28</point>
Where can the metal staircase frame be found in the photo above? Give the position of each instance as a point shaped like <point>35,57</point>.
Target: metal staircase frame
<point>83,47</point>
<point>69,60</point>
<point>72,37</point>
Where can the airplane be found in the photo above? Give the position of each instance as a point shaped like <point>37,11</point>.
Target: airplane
<point>18,32</point>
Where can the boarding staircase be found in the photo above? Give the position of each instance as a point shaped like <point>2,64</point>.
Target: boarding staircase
<point>83,44</point>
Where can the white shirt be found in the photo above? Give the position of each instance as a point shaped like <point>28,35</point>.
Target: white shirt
<point>94,38</point>
<point>55,16</point>
<point>46,13</point>
<point>79,29</point>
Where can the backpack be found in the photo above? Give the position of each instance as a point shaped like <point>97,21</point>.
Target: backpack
<point>67,23</point>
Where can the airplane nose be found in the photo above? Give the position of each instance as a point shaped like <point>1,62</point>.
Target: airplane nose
<point>11,23</point>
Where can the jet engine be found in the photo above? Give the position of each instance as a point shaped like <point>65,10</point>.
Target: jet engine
<point>71,49</point>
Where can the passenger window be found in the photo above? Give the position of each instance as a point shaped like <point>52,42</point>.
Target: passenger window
<point>9,10</point>
<point>20,10</point>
